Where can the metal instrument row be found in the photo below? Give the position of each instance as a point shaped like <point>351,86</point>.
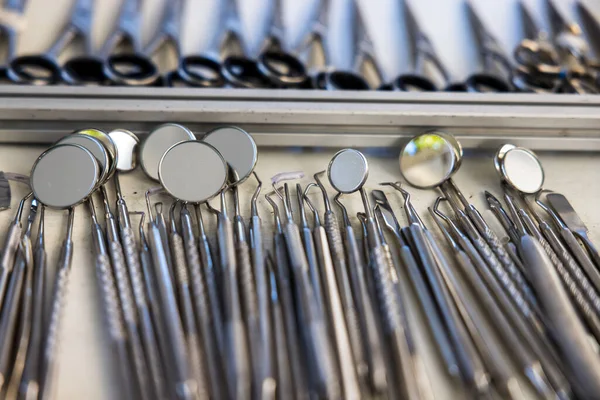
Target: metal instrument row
<point>541,63</point>
<point>319,309</point>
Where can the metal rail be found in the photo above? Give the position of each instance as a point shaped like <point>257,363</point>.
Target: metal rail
<point>308,118</point>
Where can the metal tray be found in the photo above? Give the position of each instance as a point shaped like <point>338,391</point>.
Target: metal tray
<point>308,118</point>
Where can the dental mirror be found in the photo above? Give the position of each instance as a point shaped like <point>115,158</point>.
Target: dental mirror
<point>95,147</point>
<point>126,143</point>
<point>158,142</point>
<point>348,171</point>
<point>64,176</point>
<point>237,148</point>
<point>521,169</point>
<point>429,159</point>
<point>109,145</point>
<point>192,171</point>
<point>500,156</point>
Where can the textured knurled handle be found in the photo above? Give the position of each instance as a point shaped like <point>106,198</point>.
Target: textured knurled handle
<point>575,271</point>
<point>501,275</point>
<point>135,269</point>
<point>386,295</point>
<point>199,290</point>
<point>178,253</point>
<point>582,303</point>
<point>334,236</point>
<point>505,259</point>
<point>110,299</point>
<point>247,282</point>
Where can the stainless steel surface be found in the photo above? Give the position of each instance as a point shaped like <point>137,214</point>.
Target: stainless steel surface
<point>296,118</point>
<point>158,142</point>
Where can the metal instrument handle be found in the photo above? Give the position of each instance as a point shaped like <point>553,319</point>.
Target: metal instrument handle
<point>392,319</point>
<point>129,313</point>
<point>239,367</point>
<point>195,349</point>
<point>184,381</point>
<point>583,259</point>
<point>7,259</point>
<point>325,358</point>
<point>148,335</point>
<point>375,355</point>
<point>570,332</point>
<point>114,323</point>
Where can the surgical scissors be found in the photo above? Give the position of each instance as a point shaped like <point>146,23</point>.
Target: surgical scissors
<point>544,66</point>
<point>118,67</point>
<point>494,59</point>
<point>423,55</point>
<point>44,69</point>
<point>206,69</point>
<point>14,9</point>
<point>168,32</point>
<point>274,62</point>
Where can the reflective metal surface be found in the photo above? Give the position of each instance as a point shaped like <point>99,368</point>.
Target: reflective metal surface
<point>192,171</point>
<point>348,171</point>
<point>521,169</point>
<point>428,160</point>
<point>237,148</point>
<point>157,143</point>
<point>126,143</point>
<point>64,176</point>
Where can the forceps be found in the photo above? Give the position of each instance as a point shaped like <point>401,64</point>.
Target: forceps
<point>423,55</point>
<point>15,9</point>
<point>117,67</point>
<point>168,32</point>
<point>544,66</point>
<point>43,69</point>
<point>274,63</point>
<point>573,52</point>
<point>206,70</point>
<point>494,59</point>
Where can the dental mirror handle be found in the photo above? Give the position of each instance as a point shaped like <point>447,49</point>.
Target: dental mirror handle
<point>570,332</point>
<point>47,360</point>
<point>125,292</point>
<point>239,366</point>
<point>202,309</point>
<point>376,358</point>
<point>323,355</point>
<point>184,380</point>
<point>268,369</point>
<point>430,309</point>
<point>31,377</point>
<point>113,313</point>
<point>148,335</point>
<point>296,357</point>
<point>581,256</point>
<point>313,265</point>
<point>25,322</point>
<point>338,254</point>
<point>207,262</point>
<point>195,349</point>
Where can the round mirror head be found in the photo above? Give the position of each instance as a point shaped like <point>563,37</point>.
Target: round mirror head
<point>237,148</point>
<point>107,143</point>
<point>428,160</point>
<point>499,157</point>
<point>522,170</point>
<point>193,171</point>
<point>64,176</point>
<point>348,170</point>
<point>158,142</point>
<point>126,143</point>
<point>97,149</point>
